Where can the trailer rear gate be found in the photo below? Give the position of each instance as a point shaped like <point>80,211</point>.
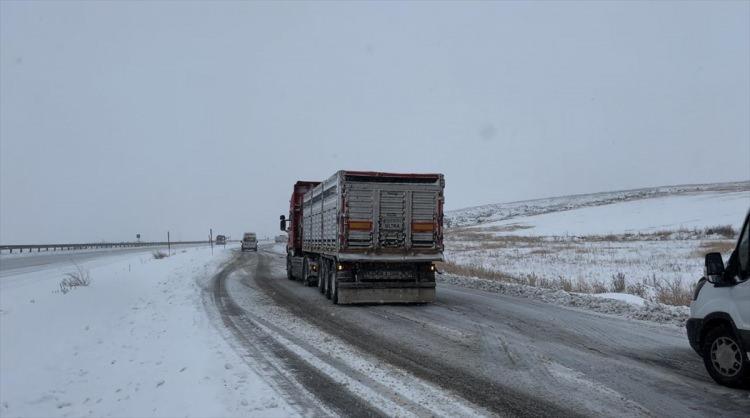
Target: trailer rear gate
<point>400,216</point>
<point>387,227</point>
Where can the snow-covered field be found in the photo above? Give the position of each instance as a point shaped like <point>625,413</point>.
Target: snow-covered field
<point>648,242</point>
<point>500,211</point>
<point>667,213</point>
<point>135,342</point>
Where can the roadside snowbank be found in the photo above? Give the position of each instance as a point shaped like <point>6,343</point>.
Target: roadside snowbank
<point>625,297</point>
<point>136,342</point>
<point>647,311</point>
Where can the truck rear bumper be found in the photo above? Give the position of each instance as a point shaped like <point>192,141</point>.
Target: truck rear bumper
<point>385,292</point>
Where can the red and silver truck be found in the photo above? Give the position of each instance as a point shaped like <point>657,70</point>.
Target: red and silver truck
<point>367,237</point>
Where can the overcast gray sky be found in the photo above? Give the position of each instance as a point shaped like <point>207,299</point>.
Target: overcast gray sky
<point>119,118</point>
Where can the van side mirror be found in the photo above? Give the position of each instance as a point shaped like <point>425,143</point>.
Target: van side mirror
<point>282,223</point>
<point>714,268</point>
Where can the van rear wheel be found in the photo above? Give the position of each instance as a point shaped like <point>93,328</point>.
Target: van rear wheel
<point>724,358</point>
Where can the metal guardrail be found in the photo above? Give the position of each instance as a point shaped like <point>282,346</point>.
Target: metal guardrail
<point>63,247</point>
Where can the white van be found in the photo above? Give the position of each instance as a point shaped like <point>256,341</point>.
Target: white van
<point>719,324</point>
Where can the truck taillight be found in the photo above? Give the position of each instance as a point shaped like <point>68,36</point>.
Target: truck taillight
<point>360,225</point>
<point>422,226</point>
<point>343,267</point>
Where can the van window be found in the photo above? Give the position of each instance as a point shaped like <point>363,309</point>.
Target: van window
<point>744,251</point>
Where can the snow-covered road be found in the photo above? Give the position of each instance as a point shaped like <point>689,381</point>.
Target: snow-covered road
<point>136,342</point>
<point>323,374</point>
<point>226,334</point>
<point>506,355</point>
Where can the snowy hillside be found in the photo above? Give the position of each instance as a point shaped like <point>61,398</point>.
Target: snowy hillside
<point>648,243</point>
<point>501,211</point>
<point>665,213</point>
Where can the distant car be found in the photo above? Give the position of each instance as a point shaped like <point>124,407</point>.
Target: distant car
<point>249,242</point>
<point>221,240</point>
<point>719,325</point>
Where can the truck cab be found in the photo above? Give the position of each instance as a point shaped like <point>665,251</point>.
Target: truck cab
<point>293,227</point>
<point>719,324</point>
<point>249,242</point>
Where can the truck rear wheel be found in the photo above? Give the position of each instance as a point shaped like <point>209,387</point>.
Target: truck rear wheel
<point>305,270</point>
<point>335,288</point>
<point>322,276</point>
<point>327,279</point>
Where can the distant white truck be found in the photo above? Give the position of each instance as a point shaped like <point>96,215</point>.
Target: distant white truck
<point>719,324</point>
<point>249,242</point>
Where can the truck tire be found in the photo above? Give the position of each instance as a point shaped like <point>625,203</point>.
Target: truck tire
<point>334,289</point>
<point>289,274</point>
<point>323,275</point>
<point>327,280</point>
<point>724,358</point>
<point>305,268</point>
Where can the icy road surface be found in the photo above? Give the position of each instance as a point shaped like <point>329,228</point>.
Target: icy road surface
<point>226,334</point>
<point>501,355</point>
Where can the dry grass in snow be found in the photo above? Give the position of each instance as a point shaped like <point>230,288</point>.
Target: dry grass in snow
<point>660,266</point>
<point>80,277</point>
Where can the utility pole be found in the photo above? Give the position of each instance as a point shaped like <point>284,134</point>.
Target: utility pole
<point>169,245</point>
<point>211,239</point>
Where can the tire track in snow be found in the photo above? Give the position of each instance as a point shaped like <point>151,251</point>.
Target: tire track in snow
<point>283,369</point>
<point>392,391</point>
<point>498,400</point>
